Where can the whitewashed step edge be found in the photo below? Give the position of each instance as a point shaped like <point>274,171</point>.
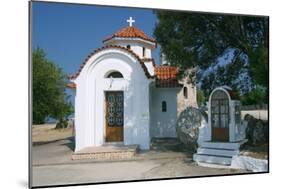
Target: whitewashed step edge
<point>217,152</point>
<point>223,145</point>
<point>212,159</point>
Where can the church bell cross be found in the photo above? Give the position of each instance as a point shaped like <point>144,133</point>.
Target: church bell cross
<point>130,21</point>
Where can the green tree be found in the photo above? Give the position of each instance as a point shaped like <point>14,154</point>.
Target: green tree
<point>256,96</point>
<point>48,90</point>
<point>198,40</point>
<point>201,98</point>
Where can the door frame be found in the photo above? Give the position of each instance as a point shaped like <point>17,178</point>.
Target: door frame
<point>105,120</point>
<point>227,129</point>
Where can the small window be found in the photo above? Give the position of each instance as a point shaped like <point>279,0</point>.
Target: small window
<point>185,94</point>
<point>164,106</point>
<point>143,51</point>
<point>114,75</point>
<point>128,46</point>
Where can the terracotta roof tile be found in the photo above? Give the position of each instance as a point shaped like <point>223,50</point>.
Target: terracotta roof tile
<point>114,47</point>
<point>131,32</point>
<point>166,76</point>
<point>166,72</point>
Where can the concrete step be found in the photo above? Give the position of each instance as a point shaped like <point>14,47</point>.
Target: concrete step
<point>222,145</point>
<point>217,152</point>
<point>223,160</point>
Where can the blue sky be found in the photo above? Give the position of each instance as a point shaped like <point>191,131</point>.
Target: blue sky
<point>68,33</point>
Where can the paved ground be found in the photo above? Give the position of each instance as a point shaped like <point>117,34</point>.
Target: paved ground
<point>116,171</point>
<point>52,164</point>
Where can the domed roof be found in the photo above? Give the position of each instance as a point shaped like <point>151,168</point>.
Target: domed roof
<point>141,61</point>
<point>131,32</point>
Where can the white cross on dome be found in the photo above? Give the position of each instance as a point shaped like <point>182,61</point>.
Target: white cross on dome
<point>130,21</point>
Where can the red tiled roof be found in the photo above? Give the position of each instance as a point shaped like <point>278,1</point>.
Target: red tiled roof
<point>131,32</point>
<point>166,76</point>
<point>166,72</point>
<point>114,47</point>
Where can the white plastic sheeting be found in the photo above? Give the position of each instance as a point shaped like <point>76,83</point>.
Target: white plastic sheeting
<point>249,163</point>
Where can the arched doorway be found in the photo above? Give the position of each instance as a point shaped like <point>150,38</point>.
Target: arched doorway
<point>220,116</point>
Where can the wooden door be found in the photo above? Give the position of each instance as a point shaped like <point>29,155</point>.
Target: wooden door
<point>220,117</point>
<point>114,116</point>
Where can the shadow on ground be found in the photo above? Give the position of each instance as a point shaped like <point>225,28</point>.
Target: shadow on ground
<point>69,142</point>
<point>168,145</point>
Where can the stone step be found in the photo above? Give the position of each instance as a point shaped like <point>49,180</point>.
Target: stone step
<point>223,160</point>
<point>107,152</point>
<point>222,145</point>
<point>217,152</point>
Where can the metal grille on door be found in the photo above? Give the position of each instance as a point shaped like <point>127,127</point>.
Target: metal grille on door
<point>115,109</point>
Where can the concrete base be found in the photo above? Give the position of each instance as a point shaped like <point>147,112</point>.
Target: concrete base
<point>212,165</point>
<point>223,160</point>
<point>219,153</point>
<point>107,152</point>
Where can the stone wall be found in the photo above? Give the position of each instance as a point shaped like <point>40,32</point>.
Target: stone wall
<point>258,114</point>
<point>190,101</point>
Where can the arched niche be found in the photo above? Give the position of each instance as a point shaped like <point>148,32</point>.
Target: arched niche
<point>224,112</point>
<point>220,117</point>
<point>114,74</point>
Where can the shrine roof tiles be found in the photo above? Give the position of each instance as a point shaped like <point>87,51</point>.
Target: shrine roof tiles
<point>166,77</point>
<point>131,32</point>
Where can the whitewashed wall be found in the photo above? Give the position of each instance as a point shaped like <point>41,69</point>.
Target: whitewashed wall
<point>136,46</point>
<point>163,124</point>
<point>89,100</point>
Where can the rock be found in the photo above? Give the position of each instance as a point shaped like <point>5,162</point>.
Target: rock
<point>61,124</point>
<point>70,123</point>
<point>256,131</point>
<point>188,125</point>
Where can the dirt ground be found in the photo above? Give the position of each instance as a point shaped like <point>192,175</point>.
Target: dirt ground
<point>47,133</point>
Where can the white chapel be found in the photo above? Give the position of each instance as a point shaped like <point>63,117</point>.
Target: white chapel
<point>123,97</point>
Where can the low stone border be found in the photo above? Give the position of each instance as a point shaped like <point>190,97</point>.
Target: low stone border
<point>106,153</point>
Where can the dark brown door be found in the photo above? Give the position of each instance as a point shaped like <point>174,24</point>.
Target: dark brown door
<point>220,117</point>
<point>114,116</point>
